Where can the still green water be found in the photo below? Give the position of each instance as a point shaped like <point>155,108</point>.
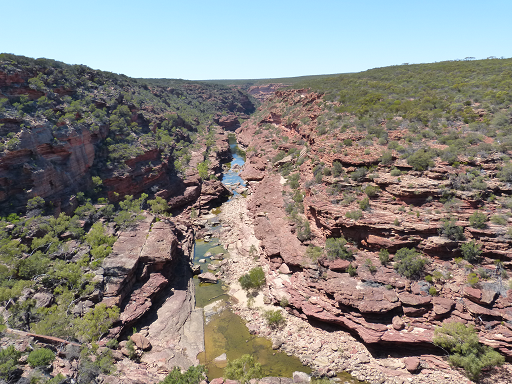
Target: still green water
<point>227,333</point>
<point>208,293</point>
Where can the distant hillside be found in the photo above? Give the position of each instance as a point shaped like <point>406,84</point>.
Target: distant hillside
<point>62,124</point>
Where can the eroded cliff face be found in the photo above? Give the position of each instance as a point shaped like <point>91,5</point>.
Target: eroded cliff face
<point>61,125</point>
<point>408,209</point>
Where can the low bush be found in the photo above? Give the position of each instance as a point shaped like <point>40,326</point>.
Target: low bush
<point>314,252</point>
<point>451,230</point>
<point>193,375</point>
<point>499,220</point>
<point>384,256</point>
<point>335,249</point>
<point>465,350</point>
<point>243,369</point>
<point>371,190</point>
<point>364,204</point>
<point>409,263</point>
<point>471,251</point>
<point>359,174</point>
<point>421,160</point>
<point>478,220</point>
<point>40,357</point>
<point>354,215</point>
<point>253,280</point>
<point>473,279</point>
<point>275,319</point>
<point>8,360</point>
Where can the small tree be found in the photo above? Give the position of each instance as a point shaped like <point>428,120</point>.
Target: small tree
<point>409,263</point>
<point>193,375</point>
<point>335,249</point>
<point>384,256</point>
<point>96,322</point>
<point>158,205</point>
<point>243,369</point>
<point>275,319</point>
<point>40,357</point>
<point>478,220</point>
<point>8,360</point>
<point>451,230</point>
<point>471,251</point>
<point>253,280</point>
<point>421,160</point>
<point>466,352</point>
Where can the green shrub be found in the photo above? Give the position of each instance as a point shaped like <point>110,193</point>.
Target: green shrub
<point>451,230</point>
<point>243,369</point>
<point>471,251</point>
<point>40,357</point>
<point>371,190</point>
<point>395,172</point>
<point>253,280</point>
<point>369,264</point>
<point>465,350</point>
<point>354,215</point>
<point>193,375</point>
<point>96,322</point>
<point>352,271</point>
<point>314,252</point>
<point>409,263</point>
<point>335,249</point>
<point>499,220</point>
<point>429,279</point>
<point>386,158</point>
<point>505,174</point>
<point>384,256</point>
<point>8,360</point>
<point>293,180</point>
<point>421,160</point>
<point>473,279</point>
<point>337,168</point>
<point>478,219</point>
<point>359,174</point>
<point>158,205</point>
<point>364,204</point>
<point>303,230</point>
<point>432,291</point>
<point>275,319</point>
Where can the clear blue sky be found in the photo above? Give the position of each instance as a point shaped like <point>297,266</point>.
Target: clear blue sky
<point>224,39</point>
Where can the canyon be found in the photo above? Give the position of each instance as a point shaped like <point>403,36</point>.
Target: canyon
<point>306,185</point>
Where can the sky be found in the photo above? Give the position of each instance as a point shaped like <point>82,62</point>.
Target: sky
<point>224,39</point>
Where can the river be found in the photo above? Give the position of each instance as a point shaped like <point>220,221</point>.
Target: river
<point>226,335</point>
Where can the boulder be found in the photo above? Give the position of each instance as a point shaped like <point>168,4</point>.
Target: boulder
<point>415,300</point>
<point>43,299</point>
<point>412,364</point>
<point>442,306</point>
<point>472,294</point>
<point>141,341</point>
<point>207,277</point>
<point>284,269</point>
<point>301,377</point>
<point>398,323</point>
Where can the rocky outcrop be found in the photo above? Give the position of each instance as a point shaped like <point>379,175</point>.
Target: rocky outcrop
<point>139,267</point>
<point>264,91</point>
<point>378,305</point>
<point>51,165</point>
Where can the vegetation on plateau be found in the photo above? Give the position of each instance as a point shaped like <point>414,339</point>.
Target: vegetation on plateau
<point>461,341</point>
